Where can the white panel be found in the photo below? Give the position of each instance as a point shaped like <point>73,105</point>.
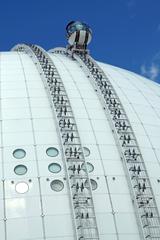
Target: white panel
<point>98,114</point>
<point>157,152</point>
<point>13,85</point>
<point>149,155</point>
<point>13,139</point>
<point>149,119</point>
<point>18,113</point>
<point>153,130</point>
<point>143,141</point>
<point>157,197</point>
<point>156,187</point>
<point>14,103</point>
<point>94,153</point>
<point>100,125</point>
<point>44,124</point>
<point>37,92</point>
<point>9,169</point>
<point>77,103</point>
<point>14,93</point>
<point>122,219</point>
<point>118,185</point>
<point>153,169</point>
<point>0,154</point>
<point>105,137</point>
<point>122,203</point>
<point>23,207</point>
<point>54,205</point>
<point>8,153</point>
<point>2,230</point>
<point>12,72</point>
<point>55,228</point>
<point>109,152</point>
<point>83,124</point>
<point>73,93</point>
<point>10,191</point>
<point>102,188</point>
<point>27,228</point>
<point>41,152</point>
<point>138,128</point>
<point>39,102</point>
<point>1,209</point>
<point>46,137</point>
<point>89,93</point>
<point>41,112</point>
<point>92,103</point>
<point>59,238</point>
<point>105,223</point>
<point>155,141</point>
<point>80,113</point>
<point>129,237</point>
<point>43,168</point>
<point>1,190</point>
<point>98,167</point>
<point>17,125</point>
<point>102,206</point>
<point>83,85</point>
<point>144,110</point>
<point>8,76</point>
<point>136,97</point>
<point>32,76</point>
<point>1,171</point>
<point>130,112</point>
<point>35,85</point>
<point>46,189</point>
<point>87,138</point>
<point>113,167</point>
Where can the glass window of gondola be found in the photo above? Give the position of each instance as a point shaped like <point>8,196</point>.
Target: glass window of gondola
<point>74,26</point>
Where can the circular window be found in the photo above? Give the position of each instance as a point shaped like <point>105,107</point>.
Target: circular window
<point>86,151</point>
<point>22,187</point>
<point>90,167</point>
<point>52,152</point>
<point>57,185</point>
<point>19,153</point>
<point>54,167</point>
<point>20,170</point>
<point>93,184</point>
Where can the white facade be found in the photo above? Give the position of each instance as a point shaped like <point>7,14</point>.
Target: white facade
<point>28,123</point>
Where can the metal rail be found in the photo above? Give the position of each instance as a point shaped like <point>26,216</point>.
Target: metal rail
<point>142,194</point>
<point>79,185</point>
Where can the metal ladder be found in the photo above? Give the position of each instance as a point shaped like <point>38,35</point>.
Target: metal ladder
<point>143,199</point>
<point>80,189</point>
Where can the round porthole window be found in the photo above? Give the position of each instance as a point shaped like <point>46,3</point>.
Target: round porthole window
<point>90,167</point>
<point>94,184</point>
<point>52,152</point>
<point>19,153</point>
<point>20,170</point>
<point>54,168</point>
<point>22,187</point>
<point>57,185</point>
<point>86,151</point>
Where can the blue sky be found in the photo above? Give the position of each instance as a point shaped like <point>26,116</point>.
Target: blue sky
<point>126,33</point>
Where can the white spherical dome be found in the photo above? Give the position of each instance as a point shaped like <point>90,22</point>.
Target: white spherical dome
<point>34,197</point>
